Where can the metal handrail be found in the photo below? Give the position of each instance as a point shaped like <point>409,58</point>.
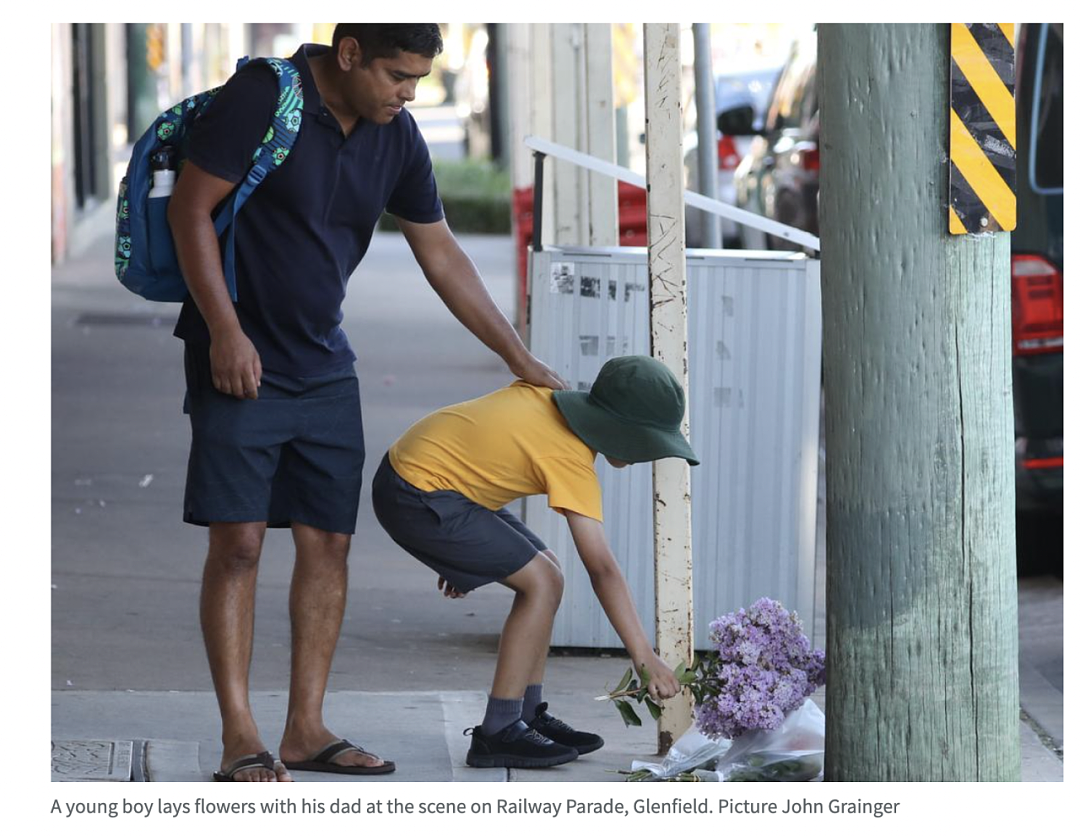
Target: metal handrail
<point>542,148</point>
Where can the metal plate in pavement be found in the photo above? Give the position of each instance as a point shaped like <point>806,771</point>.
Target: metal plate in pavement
<point>91,760</point>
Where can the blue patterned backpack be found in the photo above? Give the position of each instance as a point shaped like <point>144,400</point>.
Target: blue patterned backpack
<point>146,261</point>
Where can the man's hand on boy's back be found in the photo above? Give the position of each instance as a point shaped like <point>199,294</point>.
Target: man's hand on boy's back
<point>539,373</point>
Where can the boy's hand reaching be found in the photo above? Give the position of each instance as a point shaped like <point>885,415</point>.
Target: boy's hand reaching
<point>662,682</point>
<point>450,591</point>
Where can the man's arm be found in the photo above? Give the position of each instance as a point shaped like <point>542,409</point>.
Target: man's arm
<point>610,587</point>
<point>455,278</point>
<point>234,362</point>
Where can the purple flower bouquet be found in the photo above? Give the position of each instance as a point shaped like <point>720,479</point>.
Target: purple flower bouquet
<point>763,668</point>
<point>758,676</point>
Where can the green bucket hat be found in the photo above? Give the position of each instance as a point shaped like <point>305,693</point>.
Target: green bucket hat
<point>633,412</point>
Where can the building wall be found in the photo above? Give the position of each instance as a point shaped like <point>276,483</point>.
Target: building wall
<point>189,58</point>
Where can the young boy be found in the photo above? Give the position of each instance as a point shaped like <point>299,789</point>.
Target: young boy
<point>440,492</point>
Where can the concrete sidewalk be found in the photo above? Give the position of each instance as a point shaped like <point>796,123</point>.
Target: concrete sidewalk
<point>422,731</point>
<point>412,667</point>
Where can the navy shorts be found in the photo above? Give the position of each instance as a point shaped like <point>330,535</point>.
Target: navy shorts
<point>295,454</point>
<point>464,542</point>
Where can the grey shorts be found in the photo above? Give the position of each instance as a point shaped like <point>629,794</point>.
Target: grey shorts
<point>466,543</point>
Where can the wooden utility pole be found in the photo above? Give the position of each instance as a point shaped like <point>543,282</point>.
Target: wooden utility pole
<point>921,587</point>
<point>667,307</point>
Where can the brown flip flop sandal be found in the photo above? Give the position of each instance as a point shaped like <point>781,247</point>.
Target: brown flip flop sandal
<point>322,761</point>
<point>261,760</point>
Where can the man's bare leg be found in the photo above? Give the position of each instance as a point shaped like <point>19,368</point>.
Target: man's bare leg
<point>227,614</point>
<point>526,636</point>
<point>316,607</point>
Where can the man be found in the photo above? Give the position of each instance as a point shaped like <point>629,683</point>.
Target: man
<point>275,411</point>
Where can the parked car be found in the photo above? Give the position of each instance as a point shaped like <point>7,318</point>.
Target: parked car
<point>778,176</point>
<point>1038,267</point>
<point>748,87</point>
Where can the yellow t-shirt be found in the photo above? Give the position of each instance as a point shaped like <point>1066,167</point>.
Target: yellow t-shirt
<point>500,447</point>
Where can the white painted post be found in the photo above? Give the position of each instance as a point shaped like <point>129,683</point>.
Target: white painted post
<point>567,179</point>
<point>582,117</point>
<point>667,313</point>
<point>599,134</point>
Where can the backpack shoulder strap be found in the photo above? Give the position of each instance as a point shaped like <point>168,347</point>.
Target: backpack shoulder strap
<point>280,136</point>
<point>285,124</point>
<point>271,153</point>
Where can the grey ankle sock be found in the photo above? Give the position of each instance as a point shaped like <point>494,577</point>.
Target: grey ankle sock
<point>534,695</point>
<point>500,714</point>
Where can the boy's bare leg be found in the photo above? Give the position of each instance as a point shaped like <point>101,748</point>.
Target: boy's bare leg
<point>227,615</point>
<point>316,608</point>
<point>526,636</point>
<point>536,675</point>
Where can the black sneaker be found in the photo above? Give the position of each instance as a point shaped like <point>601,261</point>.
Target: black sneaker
<point>517,747</point>
<point>555,729</point>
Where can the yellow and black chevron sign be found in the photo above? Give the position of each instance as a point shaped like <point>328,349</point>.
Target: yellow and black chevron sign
<point>982,136</point>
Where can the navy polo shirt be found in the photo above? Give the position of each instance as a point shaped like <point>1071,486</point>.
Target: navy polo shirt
<point>306,227</point>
